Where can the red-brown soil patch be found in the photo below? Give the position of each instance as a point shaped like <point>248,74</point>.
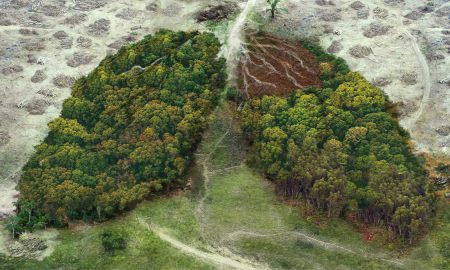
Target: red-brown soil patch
<point>275,66</point>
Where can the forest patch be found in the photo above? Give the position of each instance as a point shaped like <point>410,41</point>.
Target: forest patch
<point>127,132</point>
<point>339,149</point>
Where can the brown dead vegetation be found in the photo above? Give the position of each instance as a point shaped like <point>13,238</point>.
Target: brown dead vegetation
<point>39,76</point>
<point>62,81</point>
<point>80,58</point>
<point>99,27</point>
<point>274,66</point>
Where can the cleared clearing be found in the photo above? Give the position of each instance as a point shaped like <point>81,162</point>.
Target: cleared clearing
<point>273,66</point>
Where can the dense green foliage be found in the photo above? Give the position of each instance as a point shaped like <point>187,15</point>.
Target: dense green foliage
<point>113,240</point>
<point>341,150</point>
<point>127,131</point>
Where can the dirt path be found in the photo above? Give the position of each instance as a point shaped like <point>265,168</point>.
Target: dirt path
<point>306,237</point>
<point>425,69</point>
<point>233,46</point>
<point>426,76</point>
<point>332,246</point>
<point>213,258</point>
<point>200,209</point>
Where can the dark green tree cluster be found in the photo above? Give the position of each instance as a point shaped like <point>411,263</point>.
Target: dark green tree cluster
<point>341,150</point>
<point>113,240</point>
<point>127,131</point>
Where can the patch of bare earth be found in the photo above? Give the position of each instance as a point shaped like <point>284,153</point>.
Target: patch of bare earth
<point>275,66</point>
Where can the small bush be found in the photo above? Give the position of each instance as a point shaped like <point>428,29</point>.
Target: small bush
<point>113,240</point>
<point>443,169</point>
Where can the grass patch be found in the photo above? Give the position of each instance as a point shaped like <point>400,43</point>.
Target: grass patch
<point>82,249</point>
<point>240,201</point>
<point>174,213</point>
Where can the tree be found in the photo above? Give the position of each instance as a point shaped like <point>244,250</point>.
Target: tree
<point>113,240</point>
<point>126,133</point>
<point>273,7</point>
<point>340,149</point>
<point>359,96</point>
<point>27,206</point>
<point>11,224</point>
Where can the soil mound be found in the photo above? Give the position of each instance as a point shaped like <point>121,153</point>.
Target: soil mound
<point>360,51</point>
<point>99,27</point>
<point>39,76</point>
<point>37,106</point>
<point>87,5</point>
<point>274,66</point>
<point>62,81</point>
<point>79,59</point>
<point>11,70</point>
<point>376,29</point>
<point>217,13</point>
<point>335,47</point>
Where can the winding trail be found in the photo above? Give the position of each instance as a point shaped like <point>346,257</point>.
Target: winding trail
<point>213,258</point>
<point>425,69</point>
<point>200,209</point>
<point>236,235</point>
<point>426,76</point>
<point>235,40</point>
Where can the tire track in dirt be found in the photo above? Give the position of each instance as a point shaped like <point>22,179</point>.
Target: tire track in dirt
<point>426,76</point>
<point>306,237</point>
<point>213,258</point>
<point>200,209</point>
<point>425,69</point>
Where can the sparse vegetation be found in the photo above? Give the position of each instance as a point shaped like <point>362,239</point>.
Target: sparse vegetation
<point>82,249</point>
